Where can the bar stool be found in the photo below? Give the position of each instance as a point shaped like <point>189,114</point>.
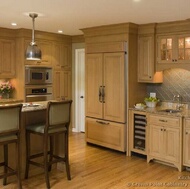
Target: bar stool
<point>10,126</point>
<point>57,122</point>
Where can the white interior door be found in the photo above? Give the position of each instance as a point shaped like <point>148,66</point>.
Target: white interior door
<point>80,90</point>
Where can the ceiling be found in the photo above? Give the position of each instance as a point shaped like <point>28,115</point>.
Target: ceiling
<point>73,15</point>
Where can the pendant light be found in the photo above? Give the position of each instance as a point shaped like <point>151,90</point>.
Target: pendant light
<point>32,51</point>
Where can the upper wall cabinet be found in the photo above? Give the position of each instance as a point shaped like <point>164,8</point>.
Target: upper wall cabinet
<point>7,58</point>
<point>62,56</point>
<point>46,49</point>
<point>146,57</point>
<point>173,49</point>
<point>173,45</point>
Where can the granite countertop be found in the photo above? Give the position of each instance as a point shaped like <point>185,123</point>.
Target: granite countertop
<point>10,101</point>
<point>34,106</point>
<point>27,107</point>
<point>184,112</point>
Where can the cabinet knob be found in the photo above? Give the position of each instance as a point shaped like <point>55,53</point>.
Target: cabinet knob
<point>186,133</point>
<point>150,77</point>
<point>164,129</point>
<point>161,129</point>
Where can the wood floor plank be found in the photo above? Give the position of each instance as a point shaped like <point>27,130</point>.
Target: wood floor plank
<point>94,167</point>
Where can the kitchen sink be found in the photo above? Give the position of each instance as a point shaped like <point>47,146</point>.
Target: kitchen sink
<point>170,110</point>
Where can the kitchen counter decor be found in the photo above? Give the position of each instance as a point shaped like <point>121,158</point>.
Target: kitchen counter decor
<point>151,102</point>
<point>5,89</point>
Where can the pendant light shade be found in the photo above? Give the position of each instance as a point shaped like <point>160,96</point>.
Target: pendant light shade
<point>32,51</point>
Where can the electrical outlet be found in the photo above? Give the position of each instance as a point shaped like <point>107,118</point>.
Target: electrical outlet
<point>153,95</point>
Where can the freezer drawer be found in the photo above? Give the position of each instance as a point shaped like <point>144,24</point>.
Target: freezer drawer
<point>105,133</point>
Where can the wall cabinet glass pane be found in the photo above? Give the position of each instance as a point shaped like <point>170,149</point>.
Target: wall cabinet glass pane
<point>166,49</point>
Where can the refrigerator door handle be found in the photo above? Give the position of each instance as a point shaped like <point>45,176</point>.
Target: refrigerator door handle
<point>100,94</point>
<point>103,94</point>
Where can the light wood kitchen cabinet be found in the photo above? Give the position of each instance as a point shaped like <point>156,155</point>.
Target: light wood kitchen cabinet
<point>173,49</point>
<point>105,86</point>
<point>105,133</point>
<point>186,143</point>
<point>146,55</point>
<point>7,58</point>
<point>62,84</point>
<point>165,139</point>
<point>46,49</point>
<point>62,56</point>
<point>146,58</point>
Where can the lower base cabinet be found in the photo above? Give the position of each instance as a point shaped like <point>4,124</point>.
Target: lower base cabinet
<point>165,139</point>
<point>105,133</point>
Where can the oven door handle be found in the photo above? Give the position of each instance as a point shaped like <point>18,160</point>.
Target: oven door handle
<point>38,95</point>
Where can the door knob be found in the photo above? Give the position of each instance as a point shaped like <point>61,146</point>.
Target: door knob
<point>81,96</point>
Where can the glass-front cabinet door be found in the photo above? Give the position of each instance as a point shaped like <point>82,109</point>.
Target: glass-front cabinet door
<point>166,49</point>
<point>173,49</point>
<point>184,49</point>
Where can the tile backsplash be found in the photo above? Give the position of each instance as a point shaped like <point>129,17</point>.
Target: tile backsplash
<point>176,81</point>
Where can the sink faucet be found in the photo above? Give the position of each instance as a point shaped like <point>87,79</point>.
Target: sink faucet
<point>179,101</point>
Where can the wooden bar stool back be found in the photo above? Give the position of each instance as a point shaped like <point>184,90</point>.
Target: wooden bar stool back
<point>10,126</point>
<point>57,122</point>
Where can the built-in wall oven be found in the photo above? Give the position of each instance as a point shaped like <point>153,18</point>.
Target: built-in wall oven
<point>38,93</point>
<point>38,84</point>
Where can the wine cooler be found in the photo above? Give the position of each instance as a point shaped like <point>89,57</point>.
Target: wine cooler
<point>139,131</point>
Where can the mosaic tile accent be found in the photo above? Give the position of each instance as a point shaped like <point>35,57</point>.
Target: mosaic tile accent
<point>176,81</point>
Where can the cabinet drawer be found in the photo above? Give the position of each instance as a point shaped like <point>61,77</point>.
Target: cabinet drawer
<point>107,134</point>
<point>164,121</point>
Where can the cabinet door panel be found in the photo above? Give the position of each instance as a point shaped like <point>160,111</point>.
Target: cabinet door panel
<point>166,49</point>
<point>58,79</point>
<point>93,77</point>
<point>62,56</point>
<point>156,141</point>
<point>146,59</point>
<point>108,134</point>
<point>172,144</point>
<point>7,58</point>
<point>186,148</point>
<point>114,71</point>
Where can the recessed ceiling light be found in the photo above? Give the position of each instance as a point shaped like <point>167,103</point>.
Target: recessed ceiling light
<point>14,24</point>
<point>60,31</point>
<point>136,0</point>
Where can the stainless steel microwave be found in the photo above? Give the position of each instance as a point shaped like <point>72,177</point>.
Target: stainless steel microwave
<point>38,75</point>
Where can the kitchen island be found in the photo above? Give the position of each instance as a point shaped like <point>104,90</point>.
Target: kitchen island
<point>32,113</point>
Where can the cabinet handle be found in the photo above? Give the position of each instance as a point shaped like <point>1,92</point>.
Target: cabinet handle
<point>103,123</point>
<point>186,133</point>
<point>161,129</point>
<point>100,94</point>
<point>162,120</point>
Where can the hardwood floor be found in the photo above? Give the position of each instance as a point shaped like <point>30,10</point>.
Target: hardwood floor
<point>94,167</point>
